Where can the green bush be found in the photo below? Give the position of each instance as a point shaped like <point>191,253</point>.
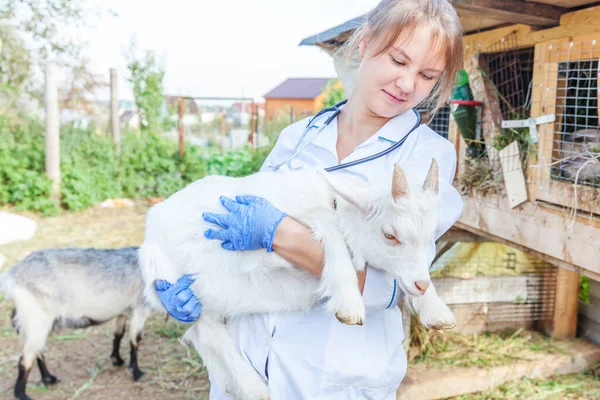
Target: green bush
<point>23,182</point>
<point>91,171</point>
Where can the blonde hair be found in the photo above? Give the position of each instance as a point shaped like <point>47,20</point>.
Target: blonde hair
<point>392,17</point>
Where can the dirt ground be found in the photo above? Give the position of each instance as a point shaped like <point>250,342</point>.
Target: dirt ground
<point>81,358</point>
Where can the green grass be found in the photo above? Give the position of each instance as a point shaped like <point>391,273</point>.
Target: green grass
<point>585,385</point>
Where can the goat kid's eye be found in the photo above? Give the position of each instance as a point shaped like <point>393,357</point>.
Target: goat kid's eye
<point>389,236</point>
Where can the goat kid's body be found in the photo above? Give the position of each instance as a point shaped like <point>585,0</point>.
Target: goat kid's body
<point>253,281</point>
<point>230,283</point>
<point>74,288</point>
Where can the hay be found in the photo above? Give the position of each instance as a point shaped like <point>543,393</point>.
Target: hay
<point>438,349</point>
<point>480,177</point>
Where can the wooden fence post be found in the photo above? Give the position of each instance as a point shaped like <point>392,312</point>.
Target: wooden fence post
<point>114,111</point>
<point>223,130</point>
<point>52,139</point>
<point>181,127</point>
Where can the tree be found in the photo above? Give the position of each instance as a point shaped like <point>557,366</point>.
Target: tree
<point>333,94</point>
<point>146,76</point>
<point>36,32</point>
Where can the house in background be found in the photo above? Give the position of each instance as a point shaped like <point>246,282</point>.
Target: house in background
<point>297,97</point>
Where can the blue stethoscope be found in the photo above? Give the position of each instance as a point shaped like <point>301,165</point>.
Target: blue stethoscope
<point>335,111</point>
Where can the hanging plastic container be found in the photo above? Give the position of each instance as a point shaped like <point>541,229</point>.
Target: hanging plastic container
<point>466,112</point>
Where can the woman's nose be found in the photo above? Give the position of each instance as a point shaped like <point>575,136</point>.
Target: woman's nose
<point>406,83</point>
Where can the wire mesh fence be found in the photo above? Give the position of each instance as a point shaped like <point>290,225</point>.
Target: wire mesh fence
<point>514,287</point>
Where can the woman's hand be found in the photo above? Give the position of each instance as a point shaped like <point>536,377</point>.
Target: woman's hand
<point>178,299</point>
<point>251,224</point>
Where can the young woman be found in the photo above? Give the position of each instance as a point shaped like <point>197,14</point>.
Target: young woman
<point>410,52</point>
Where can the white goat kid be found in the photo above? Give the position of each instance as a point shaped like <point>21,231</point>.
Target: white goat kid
<point>385,226</point>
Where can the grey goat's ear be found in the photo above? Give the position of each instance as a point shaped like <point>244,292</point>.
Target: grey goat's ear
<point>432,181</point>
<point>399,183</point>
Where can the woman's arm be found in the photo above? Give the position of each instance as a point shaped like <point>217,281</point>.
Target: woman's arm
<point>294,242</point>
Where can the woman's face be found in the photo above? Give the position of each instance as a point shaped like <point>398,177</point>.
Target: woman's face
<point>403,76</point>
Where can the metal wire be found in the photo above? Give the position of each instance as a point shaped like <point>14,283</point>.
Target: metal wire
<point>576,136</point>
<point>531,282</point>
<point>440,121</point>
<point>511,71</point>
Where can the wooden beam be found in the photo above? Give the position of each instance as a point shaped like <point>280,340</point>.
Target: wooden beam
<point>455,234</point>
<point>441,248</point>
<point>564,322</point>
<point>487,289</point>
<point>576,23</point>
<point>513,11</point>
<point>536,230</point>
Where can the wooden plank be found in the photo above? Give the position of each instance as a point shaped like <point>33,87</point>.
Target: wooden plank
<point>564,324</point>
<point>496,289</point>
<point>513,11</point>
<point>454,135</point>
<point>471,319</point>
<point>480,41</point>
<point>475,22</point>
<point>540,72</point>
<point>576,23</point>
<point>454,235</point>
<point>564,3</point>
<point>536,229</point>
<point>514,180</point>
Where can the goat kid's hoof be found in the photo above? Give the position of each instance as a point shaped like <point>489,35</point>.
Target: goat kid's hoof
<point>117,362</point>
<point>348,320</point>
<point>442,326</point>
<point>23,397</point>
<point>50,380</point>
<point>137,375</point>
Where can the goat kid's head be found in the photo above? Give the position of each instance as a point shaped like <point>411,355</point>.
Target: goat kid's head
<point>394,228</point>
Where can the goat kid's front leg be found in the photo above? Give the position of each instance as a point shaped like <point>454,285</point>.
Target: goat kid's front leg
<point>228,370</point>
<point>338,280</point>
<point>432,311</point>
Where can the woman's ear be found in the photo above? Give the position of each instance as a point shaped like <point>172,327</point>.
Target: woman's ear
<point>362,47</point>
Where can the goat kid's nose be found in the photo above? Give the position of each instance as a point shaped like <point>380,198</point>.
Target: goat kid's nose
<point>422,286</point>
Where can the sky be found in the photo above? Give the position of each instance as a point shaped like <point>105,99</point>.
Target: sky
<point>224,48</point>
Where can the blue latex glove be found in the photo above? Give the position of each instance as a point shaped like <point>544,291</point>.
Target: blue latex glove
<point>178,299</point>
<point>250,226</point>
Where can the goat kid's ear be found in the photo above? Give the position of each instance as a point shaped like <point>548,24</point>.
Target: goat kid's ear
<point>357,195</point>
<point>431,183</point>
<point>399,183</point>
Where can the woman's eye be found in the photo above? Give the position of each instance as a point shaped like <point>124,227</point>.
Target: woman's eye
<point>397,61</point>
<point>427,77</point>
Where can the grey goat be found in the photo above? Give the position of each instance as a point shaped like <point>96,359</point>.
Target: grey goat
<point>74,288</point>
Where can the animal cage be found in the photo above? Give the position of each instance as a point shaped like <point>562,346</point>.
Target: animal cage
<point>491,286</point>
<point>569,148</point>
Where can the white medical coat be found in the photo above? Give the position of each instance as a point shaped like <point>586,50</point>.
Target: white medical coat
<point>311,355</point>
